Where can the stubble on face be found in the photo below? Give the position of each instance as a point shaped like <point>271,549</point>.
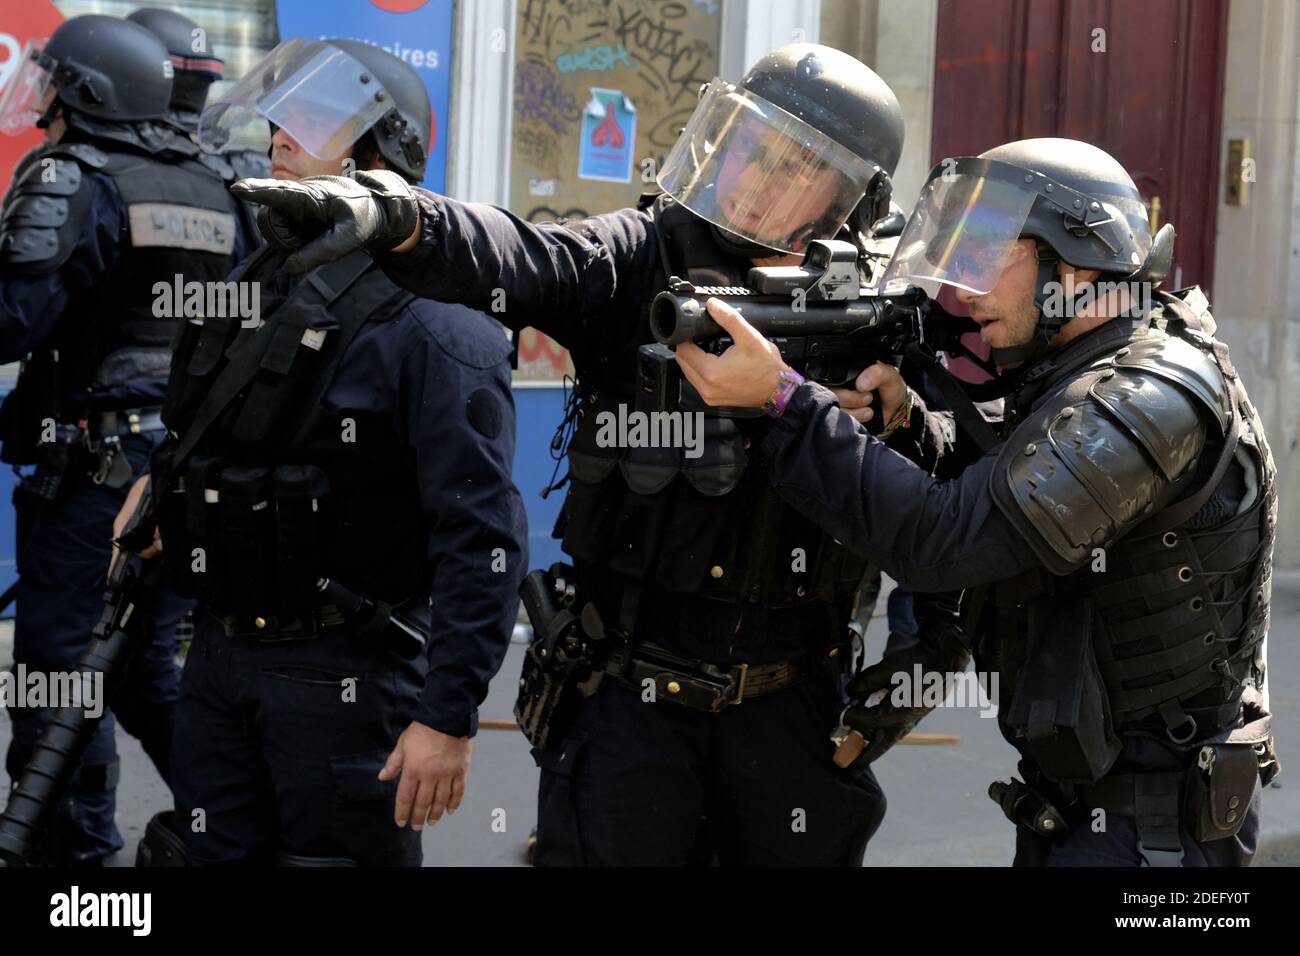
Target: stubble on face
<point>1006,315</point>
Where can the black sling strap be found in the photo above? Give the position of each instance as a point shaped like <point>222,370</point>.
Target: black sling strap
<point>323,286</point>
<point>967,415</point>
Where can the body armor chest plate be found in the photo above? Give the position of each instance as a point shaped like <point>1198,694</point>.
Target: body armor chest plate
<point>679,501</point>
<point>1174,614</point>
<point>180,237</point>
<point>281,489</point>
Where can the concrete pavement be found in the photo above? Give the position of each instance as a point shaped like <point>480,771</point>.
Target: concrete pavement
<point>939,814</point>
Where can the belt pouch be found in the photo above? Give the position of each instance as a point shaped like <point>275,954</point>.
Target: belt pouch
<point>1060,710</point>
<point>248,530</point>
<point>1220,785</point>
<point>299,490</point>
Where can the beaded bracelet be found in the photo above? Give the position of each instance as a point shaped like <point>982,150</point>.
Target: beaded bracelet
<point>900,419</point>
<point>787,381</point>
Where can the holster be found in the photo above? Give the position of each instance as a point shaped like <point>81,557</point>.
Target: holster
<point>1025,806</point>
<point>560,661</point>
<point>58,463</point>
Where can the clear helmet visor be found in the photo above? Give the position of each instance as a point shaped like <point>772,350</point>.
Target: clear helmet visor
<point>28,93</point>
<point>761,173</point>
<point>318,94</point>
<point>962,232</point>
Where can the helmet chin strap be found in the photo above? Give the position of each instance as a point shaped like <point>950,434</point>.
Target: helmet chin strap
<point>1029,352</point>
<point>50,115</point>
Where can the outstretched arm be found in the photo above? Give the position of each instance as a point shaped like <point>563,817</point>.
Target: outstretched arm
<point>571,280</point>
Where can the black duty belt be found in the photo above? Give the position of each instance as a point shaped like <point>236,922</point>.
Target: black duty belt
<point>271,628</point>
<point>130,421</point>
<point>703,686</point>
<point>373,621</point>
<point>1118,793</point>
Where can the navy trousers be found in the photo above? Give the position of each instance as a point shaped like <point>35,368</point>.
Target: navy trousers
<point>633,783</point>
<point>63,554</point>
<point>279,745</point>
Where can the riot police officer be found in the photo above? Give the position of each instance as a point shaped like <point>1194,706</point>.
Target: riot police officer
<point>1117,546</point>
<point>95,218</point>
<point>336,494</point>
<point>195,67</point>
<point>725,613</point>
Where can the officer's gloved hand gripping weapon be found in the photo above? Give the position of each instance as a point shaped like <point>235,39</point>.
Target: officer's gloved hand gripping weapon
<point>869,727</point>
<point>323,218</point>
<point>827,327</point>
<point>123,628</point>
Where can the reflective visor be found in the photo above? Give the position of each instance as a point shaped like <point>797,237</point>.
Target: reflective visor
<point>761,173</point>
<point>23,101</point>
<point>964,228</point>
<point>317,93</point>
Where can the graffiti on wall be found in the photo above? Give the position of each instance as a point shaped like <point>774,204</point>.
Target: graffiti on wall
<point>601,90</point>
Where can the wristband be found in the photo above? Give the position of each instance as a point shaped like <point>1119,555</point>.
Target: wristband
<point>901,418</point>
<point>787,381</point>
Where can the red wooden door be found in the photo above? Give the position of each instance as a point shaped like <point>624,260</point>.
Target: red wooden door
<point>1152,97</point>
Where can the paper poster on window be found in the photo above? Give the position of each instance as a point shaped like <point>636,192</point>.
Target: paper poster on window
<point>608,135</point>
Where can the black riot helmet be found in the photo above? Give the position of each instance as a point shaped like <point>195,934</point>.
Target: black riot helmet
<point>404,135</point>
<point>101,67</point>
<point>195,65</point>
<point>327,95</point>
<point>1076,201</point>
<point>805,143</point>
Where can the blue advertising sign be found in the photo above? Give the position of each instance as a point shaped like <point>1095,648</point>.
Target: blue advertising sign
<point>417,31</point>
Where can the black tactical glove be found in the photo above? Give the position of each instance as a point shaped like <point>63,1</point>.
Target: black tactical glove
<point>326,217</point>
<point>940,646</point>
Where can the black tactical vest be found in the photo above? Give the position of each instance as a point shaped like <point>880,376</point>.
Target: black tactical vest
<point>709,526</point>
<point>1168,620</point>
<point>178,134</point>
<point>179,224</point>
<point>262,489</point>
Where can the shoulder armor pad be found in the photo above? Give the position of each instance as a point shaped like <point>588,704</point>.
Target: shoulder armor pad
<point>469,337</point>
<point>86,153</point>
<point>1088,463</point>
<point>168,141</point>
<point>1174,359</point>
<point>42,218</point>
